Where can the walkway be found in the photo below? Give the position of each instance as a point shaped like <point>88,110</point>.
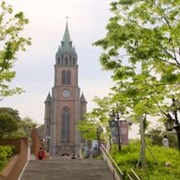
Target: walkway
<point>67,169</point>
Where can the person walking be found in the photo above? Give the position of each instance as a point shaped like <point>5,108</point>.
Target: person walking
<point>165,141</point>
<point>41,154</point>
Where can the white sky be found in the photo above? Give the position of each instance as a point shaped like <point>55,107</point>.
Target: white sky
<point>35,67</point>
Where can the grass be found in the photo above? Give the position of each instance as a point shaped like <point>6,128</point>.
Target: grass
<point>155,167</point>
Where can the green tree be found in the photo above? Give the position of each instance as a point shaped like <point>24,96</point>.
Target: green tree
<point>9,122</point>
<point>156,135</point>
<point>99,116</point>
<point>142,49</point>
<point>11,40</point>
<point>88,129</point>
<point>12,126</point>
<point>26,125</point>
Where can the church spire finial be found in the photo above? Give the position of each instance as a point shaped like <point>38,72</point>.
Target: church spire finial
<point>66,37</point>
<point>67,17</point>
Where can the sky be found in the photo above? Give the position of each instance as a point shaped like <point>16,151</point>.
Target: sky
<point>35,67</point>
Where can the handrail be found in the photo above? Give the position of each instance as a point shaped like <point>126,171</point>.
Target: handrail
<point>113,164</point>
<point>115,167</point>
<point>135,174</point>
<point>130,177</point>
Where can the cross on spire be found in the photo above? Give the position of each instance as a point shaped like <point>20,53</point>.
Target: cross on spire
<point>67,17</point>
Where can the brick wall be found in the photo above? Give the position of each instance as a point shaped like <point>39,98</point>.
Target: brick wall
<point>36,142</point>
<point>21,153</point>
<point>21,146</point>
<point>15,172</point>
<point>13,142</point>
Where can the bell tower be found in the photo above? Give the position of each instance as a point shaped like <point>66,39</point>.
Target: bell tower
<point>66,101</point>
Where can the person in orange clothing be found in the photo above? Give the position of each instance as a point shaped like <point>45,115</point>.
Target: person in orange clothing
<point>41,154</point>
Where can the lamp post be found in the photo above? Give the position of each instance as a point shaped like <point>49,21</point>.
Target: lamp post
<point>98,134</point>
<point>115,117</point>
<point>173,123</point>
<point>48,143</point>
<point>170,125</point>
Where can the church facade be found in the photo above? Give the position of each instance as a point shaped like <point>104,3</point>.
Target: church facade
<point>66,105</point>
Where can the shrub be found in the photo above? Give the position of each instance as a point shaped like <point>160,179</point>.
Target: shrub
<point>5,153</point>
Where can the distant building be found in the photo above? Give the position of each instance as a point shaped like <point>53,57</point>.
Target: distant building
<point>65,106</point>
<point>40,129</point>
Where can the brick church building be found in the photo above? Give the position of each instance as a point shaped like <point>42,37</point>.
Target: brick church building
<point>65,106</point>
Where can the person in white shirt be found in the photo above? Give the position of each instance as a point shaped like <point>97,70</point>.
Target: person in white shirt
<point>165,141</point>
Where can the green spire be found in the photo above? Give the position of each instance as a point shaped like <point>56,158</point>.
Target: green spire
<point>66,53</point>
<point>66,37</point>
<point>66,43</point>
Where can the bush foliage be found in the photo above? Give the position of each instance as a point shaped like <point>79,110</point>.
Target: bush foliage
<point>156,158</point>
<point>5,153</point>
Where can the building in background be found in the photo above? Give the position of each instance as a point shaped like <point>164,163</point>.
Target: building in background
<point>65,106</point>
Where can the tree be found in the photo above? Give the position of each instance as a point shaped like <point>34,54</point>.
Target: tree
<point>99,116</point>
<point>88,129</point>
<point>26,125</point>
<point>142,49</point>
<point>11,27</point>
<point>9,122</point>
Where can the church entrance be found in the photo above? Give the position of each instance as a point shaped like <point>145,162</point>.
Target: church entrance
<point>65,154</point>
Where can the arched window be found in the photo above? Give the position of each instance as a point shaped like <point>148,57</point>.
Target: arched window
<point>58,60</point>
<point>65,125</point>
<point>66,60</point>
<point>61,61</point>
<point>63,77</point>
<point>62,57</point>
<point>66,77</point>
<point>74,61</point>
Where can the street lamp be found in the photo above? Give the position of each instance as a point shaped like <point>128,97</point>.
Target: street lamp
<point>173,123</point>
<point>98,134</point>
<point>115,121</point>
<point>169,124</point>
<point>48,143</point>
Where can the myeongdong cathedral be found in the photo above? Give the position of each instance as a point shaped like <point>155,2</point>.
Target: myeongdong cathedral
<point>66,104</point>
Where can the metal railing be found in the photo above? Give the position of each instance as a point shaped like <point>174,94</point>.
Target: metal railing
<point>135,176</point>
<point>117,172</point>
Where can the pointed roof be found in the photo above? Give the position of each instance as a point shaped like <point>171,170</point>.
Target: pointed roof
<point>66,43</point>
<point>66,53</point>
<point>83,99</point>
<point>66,37</point>
<point>48,99</point>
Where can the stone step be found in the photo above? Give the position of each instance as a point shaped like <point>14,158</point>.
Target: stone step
<point>67,169</point>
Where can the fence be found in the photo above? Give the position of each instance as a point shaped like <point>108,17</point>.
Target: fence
<point>117,172</point>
